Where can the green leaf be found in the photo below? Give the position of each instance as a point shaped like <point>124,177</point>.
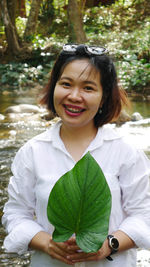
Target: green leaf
<point>80,203</point>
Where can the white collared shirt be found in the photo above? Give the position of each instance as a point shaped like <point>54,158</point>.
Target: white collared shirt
<point>44,159</point>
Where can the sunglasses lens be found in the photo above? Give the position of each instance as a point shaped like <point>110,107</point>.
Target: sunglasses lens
<point>96,50</point>
<point>91,50</point>
<point>70,48</point>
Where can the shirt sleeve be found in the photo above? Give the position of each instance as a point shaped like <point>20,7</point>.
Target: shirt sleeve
<point>19,212</point>
<point>134,183</point>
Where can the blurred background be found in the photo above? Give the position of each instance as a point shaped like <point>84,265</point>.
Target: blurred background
<point>32,32</point>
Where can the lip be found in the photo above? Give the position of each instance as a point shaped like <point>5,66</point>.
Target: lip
<point>73,110</point>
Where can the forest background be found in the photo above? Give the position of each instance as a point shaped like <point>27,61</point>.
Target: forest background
<point>32,32</point>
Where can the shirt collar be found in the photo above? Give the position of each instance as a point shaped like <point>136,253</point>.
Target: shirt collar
<point>51,134</point>
<point>105,133</point>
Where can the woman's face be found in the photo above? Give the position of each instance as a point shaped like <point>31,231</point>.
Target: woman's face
<point>78,94</point>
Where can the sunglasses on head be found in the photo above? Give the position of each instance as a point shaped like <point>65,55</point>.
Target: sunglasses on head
<point>90,50</point>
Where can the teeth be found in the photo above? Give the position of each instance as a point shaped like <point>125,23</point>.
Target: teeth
<point>74,110</point>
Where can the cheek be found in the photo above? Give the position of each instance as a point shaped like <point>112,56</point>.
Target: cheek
<point>59,95</point>
<point>97,101</point>
<point>56,98</point>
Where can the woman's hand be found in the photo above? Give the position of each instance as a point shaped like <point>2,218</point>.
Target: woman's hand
<point>80,256</point>
<point>69,253</point>
<point>58,250</point>
<point>61,251</point>
<point>125,242</point>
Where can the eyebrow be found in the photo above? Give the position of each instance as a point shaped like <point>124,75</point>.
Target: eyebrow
<point>86,81</point>
<point>65,77</point>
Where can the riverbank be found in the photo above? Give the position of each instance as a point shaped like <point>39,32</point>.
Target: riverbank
<point>144,96</point>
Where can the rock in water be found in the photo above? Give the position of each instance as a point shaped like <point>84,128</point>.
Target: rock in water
<point>23,108</point>
<point>136,116</point>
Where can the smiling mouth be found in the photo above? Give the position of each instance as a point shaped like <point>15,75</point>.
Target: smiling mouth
<point>75,110</point>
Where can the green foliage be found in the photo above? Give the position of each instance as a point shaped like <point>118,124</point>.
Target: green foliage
<point>38,41</point>
<point>60,3</point>
<point>18,75</point>
<point>20,25</point>
<point>134,73</point>
<point>35,70</point>
<point>47,10</point>
<point>124,29</point>
<point>2,30</point>
<point>98,20</point>
<point>53,19</point>
<point>80,203</point>
<point>28,6</point>
<point>56,25</point>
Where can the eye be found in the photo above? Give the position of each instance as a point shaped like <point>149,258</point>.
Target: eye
<point>88,88</point>
<point>65,84</point>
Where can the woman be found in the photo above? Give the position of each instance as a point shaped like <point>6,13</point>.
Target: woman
<point>83,91</point>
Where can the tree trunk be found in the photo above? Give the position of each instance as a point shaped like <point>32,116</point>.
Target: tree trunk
<point>10,30</point>
<point>21,8</point>
<point>75,22</point>
<point>11,6</point>
<point>81,4</point>
<point>32,20</point>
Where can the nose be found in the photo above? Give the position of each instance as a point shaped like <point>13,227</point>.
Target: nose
<point>75,95</point>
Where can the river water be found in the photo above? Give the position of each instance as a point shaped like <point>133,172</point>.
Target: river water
<point>15,132</point>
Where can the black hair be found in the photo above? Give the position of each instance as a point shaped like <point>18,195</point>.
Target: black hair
<point>113,96</point>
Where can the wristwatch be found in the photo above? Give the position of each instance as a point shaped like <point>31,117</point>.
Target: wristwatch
<point>113,244</point>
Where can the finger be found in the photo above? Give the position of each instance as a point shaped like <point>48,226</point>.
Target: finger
<point>71,241</point>
<point>92,258</point>
<point>57,253</point>
<point>89,257</point>
<point>53,247</point>
<point>61,245</point>
<point>73,248</point>
<point>72,245</point>
<point>61,258</point>
<point>81,255</point>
